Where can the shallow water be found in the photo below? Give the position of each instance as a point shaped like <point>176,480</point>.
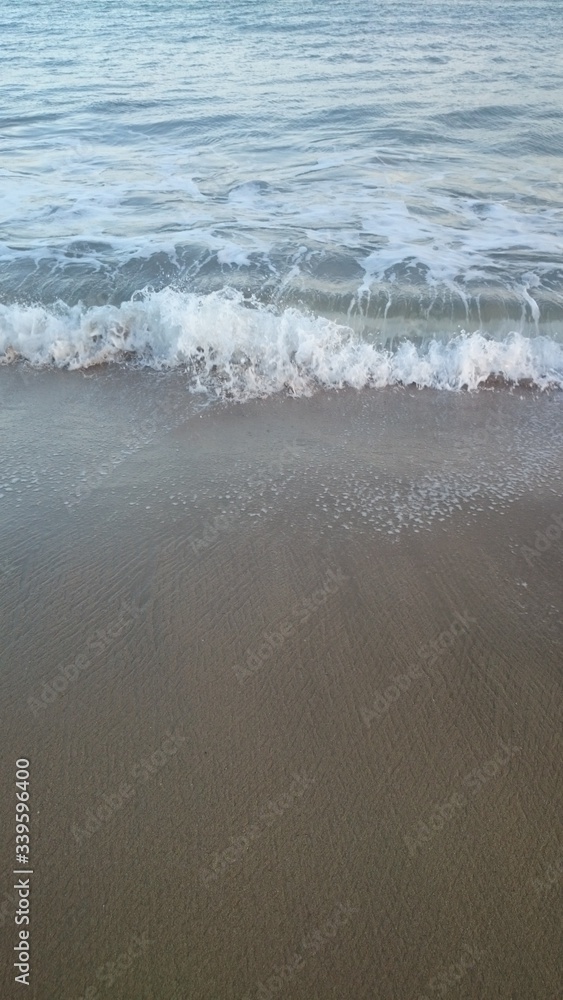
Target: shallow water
<point>392,168</point>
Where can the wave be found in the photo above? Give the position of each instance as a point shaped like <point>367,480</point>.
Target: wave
<point>231,347</point>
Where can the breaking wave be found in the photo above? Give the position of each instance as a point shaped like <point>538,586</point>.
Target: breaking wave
<point>231,347</point>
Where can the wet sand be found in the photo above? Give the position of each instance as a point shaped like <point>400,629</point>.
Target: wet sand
<point>288,676</point>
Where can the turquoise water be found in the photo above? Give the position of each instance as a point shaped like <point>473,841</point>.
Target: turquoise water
<point>366,178</point>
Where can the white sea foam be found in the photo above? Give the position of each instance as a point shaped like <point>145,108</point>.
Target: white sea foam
<point>230,347</point>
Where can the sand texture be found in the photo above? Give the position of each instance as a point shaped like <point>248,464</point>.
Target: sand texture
<point>288,676</point>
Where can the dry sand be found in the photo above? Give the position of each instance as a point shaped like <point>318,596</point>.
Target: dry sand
<point>256,777</point>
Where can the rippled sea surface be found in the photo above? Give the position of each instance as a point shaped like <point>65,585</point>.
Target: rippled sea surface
<point>281,193</point>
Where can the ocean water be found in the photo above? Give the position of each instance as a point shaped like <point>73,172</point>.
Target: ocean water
<point>282,195</point>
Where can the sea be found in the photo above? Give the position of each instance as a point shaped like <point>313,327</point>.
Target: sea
<point>284,195</point>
